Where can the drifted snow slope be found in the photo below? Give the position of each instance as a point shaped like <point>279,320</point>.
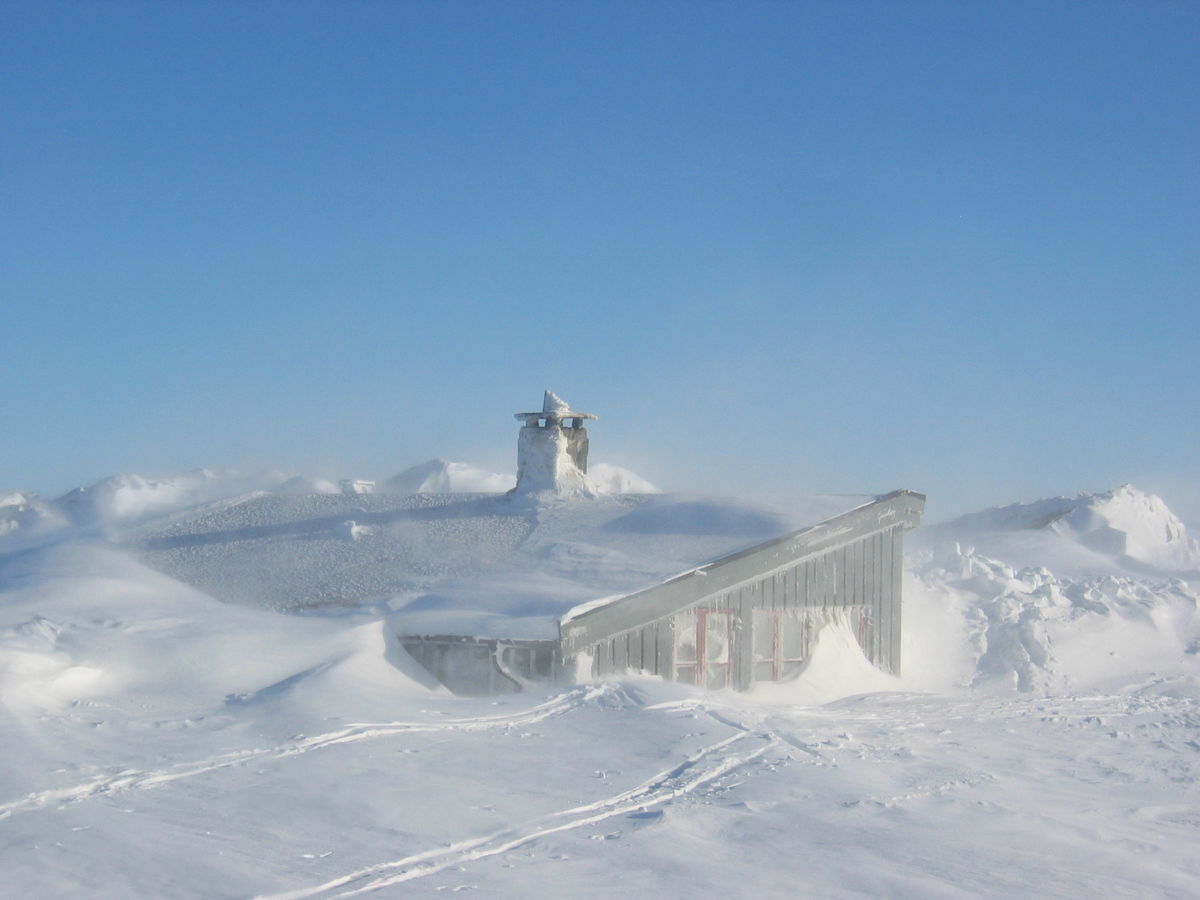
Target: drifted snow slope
<point>1065,593</point>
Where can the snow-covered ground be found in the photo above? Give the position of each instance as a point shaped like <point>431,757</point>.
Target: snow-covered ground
<point>158,742</point>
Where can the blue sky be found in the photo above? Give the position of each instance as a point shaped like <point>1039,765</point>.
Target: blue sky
<point>775,246</point>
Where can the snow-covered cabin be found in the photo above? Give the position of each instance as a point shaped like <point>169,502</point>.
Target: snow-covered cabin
<point>561,578</point>
<point>746,616</point>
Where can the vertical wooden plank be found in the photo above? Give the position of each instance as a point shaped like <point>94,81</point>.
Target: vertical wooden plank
<point>635,650</point>
<point>886,611</point>
<point>664,656</point>
<point>883,573</point>
<point>856,589</point>
<point>847,584</point>
<point>854,551</point>
<point>871,597</point>
<point>840,589</point>
<point>896,579</point>
<point>742,645</point>
<point>883,634</point>
<point>620,658</point>
<point>866,597</point>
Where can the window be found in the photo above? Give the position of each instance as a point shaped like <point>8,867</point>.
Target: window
<point>703,647</point>
<point>781,643</point>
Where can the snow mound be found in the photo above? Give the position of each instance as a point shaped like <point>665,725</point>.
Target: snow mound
<point>129,497</point>
<point>83,623</point>
<point>609,479</point>
<point>300,485</point>
<point>27,514</point>
<point>836,668</point>
<point>1128,527</point>
<point>437,476</point>
<point>1053,595</point>
<point>1127,522</point>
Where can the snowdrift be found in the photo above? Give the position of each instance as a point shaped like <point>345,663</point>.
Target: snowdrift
<point>1058,594</point>
<point>84,623</point>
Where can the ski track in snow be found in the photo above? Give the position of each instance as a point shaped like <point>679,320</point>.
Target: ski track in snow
<point>132,779</point>
<point>698,770</point>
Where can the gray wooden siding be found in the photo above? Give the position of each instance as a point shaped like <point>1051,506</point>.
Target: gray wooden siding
<point>850,565</point>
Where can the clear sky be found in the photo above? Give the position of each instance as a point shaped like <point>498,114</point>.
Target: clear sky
<point>841,246</point>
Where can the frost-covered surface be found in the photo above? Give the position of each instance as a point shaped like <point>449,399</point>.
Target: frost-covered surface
<point>489,565</point>
<point>546,463</point>
<point>160,743</point>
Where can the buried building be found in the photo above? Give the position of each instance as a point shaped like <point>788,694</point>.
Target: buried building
<point>560,577</point>
<point>746,616</point>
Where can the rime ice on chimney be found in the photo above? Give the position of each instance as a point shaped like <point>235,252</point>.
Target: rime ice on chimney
<point>552,449</point>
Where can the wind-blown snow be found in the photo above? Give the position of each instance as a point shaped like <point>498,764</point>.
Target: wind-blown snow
<point>440,477</point>
<point>128,497</point>
<point>609,479</point>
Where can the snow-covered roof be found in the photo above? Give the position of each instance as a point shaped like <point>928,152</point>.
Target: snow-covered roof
<point>487,565</point>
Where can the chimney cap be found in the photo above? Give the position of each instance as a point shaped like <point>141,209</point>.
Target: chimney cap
<point>553,407</point>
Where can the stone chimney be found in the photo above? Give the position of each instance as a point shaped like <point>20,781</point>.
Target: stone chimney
<point>552,449</point>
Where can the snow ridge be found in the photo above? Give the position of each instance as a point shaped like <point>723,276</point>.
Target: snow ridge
<point>1061,593</point>
<point>1124,523</point>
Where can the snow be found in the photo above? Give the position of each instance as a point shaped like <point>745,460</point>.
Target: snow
<point>129,496</point>
<point>610,479</point>
<point>544,465</point>
<point>552,403</point>
<point>299,485</point>
<point>162,743</point>
<point>1038,603</point>
<point>437,476</point>
<point>1122,529</point>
